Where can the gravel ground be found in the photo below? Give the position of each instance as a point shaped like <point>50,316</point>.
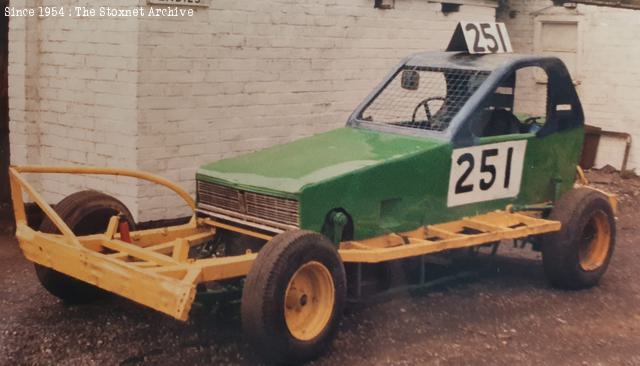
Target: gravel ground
<point>503,314</point>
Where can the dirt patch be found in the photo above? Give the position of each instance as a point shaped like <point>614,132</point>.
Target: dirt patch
<point>505,314</point>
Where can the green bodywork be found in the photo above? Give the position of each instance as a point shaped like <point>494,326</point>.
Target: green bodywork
<point>387,182</point>
<point>388,177</point>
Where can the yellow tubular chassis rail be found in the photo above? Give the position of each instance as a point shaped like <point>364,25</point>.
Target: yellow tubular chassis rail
<point>154,269</point>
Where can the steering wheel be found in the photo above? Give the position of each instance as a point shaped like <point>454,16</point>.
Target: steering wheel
<point>425,104</point>
<point>530,124</point>
<point>531,120</point>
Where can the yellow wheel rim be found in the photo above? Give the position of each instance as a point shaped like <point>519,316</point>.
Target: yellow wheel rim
<point>309,301</point>
<point>595,242</point>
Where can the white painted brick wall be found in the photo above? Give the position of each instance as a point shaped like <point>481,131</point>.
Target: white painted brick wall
<point>609,78</point>
<point>167,95</point>
<point>73,97</point>
<point>23,97</point>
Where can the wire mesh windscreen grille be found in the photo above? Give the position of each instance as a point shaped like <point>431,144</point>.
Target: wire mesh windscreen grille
<point>424,98</point>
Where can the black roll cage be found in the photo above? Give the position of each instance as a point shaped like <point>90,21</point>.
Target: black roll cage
<point>564,110</point>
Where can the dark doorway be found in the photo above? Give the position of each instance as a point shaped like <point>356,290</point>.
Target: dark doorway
<point>4,111</point>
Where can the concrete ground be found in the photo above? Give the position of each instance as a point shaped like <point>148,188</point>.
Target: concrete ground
<point>505,314</point>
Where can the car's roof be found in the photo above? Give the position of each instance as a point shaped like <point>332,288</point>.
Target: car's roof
<point>466,61</point>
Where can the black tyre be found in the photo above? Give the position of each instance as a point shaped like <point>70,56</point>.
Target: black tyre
<point>578,255</point>
<point>85,212</point>
<point>293,297</point>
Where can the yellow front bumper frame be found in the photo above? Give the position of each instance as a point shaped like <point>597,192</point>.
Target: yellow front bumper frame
<point>154,269</point>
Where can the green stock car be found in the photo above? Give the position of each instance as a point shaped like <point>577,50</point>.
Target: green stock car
<point>445,136</point>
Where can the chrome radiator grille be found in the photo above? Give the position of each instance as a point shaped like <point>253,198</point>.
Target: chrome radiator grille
<point>248,205</point>
<point>219,196</point>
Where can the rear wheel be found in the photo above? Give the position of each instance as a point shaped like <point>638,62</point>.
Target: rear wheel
<point>293,297</point>
<point>85,212</point>
<point>578,255</point>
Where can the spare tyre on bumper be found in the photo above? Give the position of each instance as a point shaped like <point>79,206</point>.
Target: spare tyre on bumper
<point>293,297</point>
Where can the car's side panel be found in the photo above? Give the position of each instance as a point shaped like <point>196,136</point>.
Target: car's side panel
<point>547,160</point>
<point>405,193</point>
<point>550,159</point>
<point>387,197</point>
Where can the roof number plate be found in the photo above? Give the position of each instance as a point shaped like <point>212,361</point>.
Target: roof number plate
<point>480,38</point>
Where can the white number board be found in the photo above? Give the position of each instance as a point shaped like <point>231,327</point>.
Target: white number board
<point>486,172</point>
<point>486,37</point>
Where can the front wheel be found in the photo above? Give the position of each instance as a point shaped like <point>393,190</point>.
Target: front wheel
<point>293,297</point>
<point>578,255</point>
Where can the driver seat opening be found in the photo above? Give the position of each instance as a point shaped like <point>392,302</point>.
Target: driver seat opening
<point>518,105</point>
<point>501,122</point>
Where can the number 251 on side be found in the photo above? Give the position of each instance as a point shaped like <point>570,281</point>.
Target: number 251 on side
<point>486,172</point>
